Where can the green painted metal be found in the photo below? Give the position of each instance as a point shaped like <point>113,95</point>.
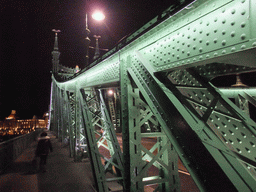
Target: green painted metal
<point>95,157</point>
<point>163,75</point>
<point>106,152</point>
<point>142,158</point>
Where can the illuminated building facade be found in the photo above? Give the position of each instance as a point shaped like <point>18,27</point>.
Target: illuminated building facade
<point>13,126</point>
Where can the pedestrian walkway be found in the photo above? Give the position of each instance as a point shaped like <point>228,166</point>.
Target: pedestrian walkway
<point>62,175</point>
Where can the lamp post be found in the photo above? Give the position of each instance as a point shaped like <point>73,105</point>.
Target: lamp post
<point>87,41</point>
<point>97,49</point>
<point>99,16</point>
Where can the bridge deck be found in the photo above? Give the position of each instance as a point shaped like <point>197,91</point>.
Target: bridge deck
<point>62,173</point>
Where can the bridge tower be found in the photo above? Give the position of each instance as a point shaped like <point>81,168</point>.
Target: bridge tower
<point>55,52</point>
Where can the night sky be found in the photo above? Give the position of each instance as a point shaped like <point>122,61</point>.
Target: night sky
<point>26,43</point>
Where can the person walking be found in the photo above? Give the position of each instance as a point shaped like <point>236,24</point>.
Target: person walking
<point>43,147</point>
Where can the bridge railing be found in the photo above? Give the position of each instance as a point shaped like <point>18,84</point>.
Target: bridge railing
<point>11,149</point>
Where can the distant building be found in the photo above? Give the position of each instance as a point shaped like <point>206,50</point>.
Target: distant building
<point>12,115</point>
<point>13,126</point>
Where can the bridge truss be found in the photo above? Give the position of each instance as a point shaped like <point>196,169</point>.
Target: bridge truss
<point>161,76</point>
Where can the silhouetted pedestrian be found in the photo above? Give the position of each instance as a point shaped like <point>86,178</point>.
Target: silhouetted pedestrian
<point>43,147</point>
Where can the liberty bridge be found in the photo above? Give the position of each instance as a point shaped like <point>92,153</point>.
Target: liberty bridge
<point>160,77</point>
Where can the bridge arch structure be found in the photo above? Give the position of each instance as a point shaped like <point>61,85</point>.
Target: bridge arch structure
<point>160,78</point>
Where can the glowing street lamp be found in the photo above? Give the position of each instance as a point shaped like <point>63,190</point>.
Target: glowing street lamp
<point>98,16</point>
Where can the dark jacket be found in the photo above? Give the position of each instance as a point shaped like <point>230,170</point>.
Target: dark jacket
<point>44,146</point>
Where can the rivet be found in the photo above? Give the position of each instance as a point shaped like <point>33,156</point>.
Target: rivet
<point>254,44</point>
<point>243,36</point>
<point>243,46</point>
<point>233,23</point>
<point>233,11</point>
<point>243,12</point>
<point>243,24</point>
<point>233,34</point>
<point>224,42</point>
<point>233,49</point>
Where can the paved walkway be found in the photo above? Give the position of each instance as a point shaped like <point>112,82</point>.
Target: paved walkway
<point>63,174</point>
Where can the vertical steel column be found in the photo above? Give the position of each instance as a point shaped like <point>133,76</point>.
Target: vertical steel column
<point>66,117</point>
<point>93,151</point>
<point>76,127</point>
<point>140,127</point>
<point>53,125</point>
<point>79,128</point>
<point>124,123</point>
<point>115,162</point>
<point>58,110</point>
<point>62,115</point>
<point>71,124</point>
<point>161,157</point>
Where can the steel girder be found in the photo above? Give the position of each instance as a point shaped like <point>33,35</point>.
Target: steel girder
<point>168,68</point>
<point>205,128</point>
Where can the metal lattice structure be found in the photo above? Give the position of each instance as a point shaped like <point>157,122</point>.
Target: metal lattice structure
<point>161,78</point>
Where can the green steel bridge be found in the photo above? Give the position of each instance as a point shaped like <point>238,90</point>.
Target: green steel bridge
<point>160,77</point>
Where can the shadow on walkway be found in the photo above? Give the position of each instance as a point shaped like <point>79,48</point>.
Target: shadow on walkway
<point>63,174</point>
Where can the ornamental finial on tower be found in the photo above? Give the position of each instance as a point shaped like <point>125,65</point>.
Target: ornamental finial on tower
<point>56,38</point>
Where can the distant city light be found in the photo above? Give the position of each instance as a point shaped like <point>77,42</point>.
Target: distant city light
<point>110,92</point>
<point>99,16</point>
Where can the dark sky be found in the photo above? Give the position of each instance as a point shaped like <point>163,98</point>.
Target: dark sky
<point>26,43</point>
